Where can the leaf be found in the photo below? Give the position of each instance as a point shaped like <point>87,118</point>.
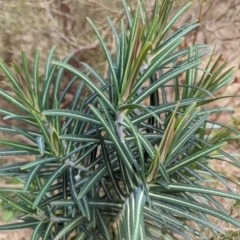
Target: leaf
<point>36,78</point>
<point>26,72</point>
<point>130,222</point>
<point>13,100</point>
<point>194,157</point>
<point>125,157</point>
<point>201,189</point>
<point>108,56</point>
<point>161,81</point>
<point>20,146</point>
<point>74,195</point>
<point>104,227</point>
<point>14,151</point>
<point>163,108</point>
<point>92,180</point>
<point>47,185</point>
<point>37,230</point>
<point>128,15</point>
<point>71,114</point>
<point>46,87</point>
<point>31,175</point>
<point>138,143</point>
<point>69,227</point>
<point>162,150</point>
<point>131,53</point>
<point>88,82</point>
<point>58,80</point>
<point>55,142</point>
<point>192,205</point>
<point>41,144</point>
<point>110,168</point>
<point>11,78</point>
<point>20,225</point>
<point>47,71</point>
<point>48,230</point>
<point>43,127</point>
<point>40,161</point>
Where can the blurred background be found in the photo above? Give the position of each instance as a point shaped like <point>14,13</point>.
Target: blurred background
<point>39,24</point>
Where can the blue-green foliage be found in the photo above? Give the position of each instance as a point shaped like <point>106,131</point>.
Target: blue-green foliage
<point>129,158</point>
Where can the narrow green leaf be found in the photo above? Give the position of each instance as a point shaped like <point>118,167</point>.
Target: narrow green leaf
<point>104,227</point>
<point>11,77</point>
<point>41,144</point>
<point>127,12</point>
<point>155,63</point>
<point>11,190</point>
<point>187,215</point>
<point>13,100</point>
<point>27,200</point>
<point>131,51</point>
<point>108,56</point>
<point>116,35</point>
<point>43,126</point>
<point>83,138</point>
<point>14,152</point>
<point>203,190</point>
<point>88,82</point>
<point>31,175</point>
<point>16,205</point>
<point>136,133</point>
<point>48,231</point>
<point>69,227</point>
<point>67,88</point>
<point>36,77</point>
<point>40,161</point>
<point>26,70</point>
<point>97,203</point>
<point>174,18</point>
<point>37,230</point>
<point>92,180</point>
<point>59,78</point>
<point>162,80</point>
<point>119,147</point>
<point>142,56</point>
<point>69,203</point>
<point>74,195</point>
<point>20,225</point>
<point>46,87</point>
<point>192,205</point>
<point>139,199</point>
<point>20,146</point>
<point>163,108</point>
<point>31,135</point>
<point>194,157</point>
<point>71,114</point>
<point>110,168</point>
<point>123,52</point>
<point>15,167</point>
<point>47,184</point>
<point>47,71</point>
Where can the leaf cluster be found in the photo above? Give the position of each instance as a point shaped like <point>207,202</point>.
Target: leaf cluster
<point>111,166</point>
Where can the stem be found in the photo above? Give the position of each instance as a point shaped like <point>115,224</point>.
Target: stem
<point>120,126</point>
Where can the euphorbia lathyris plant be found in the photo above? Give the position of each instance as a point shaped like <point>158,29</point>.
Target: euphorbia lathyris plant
<point>129,161</point>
